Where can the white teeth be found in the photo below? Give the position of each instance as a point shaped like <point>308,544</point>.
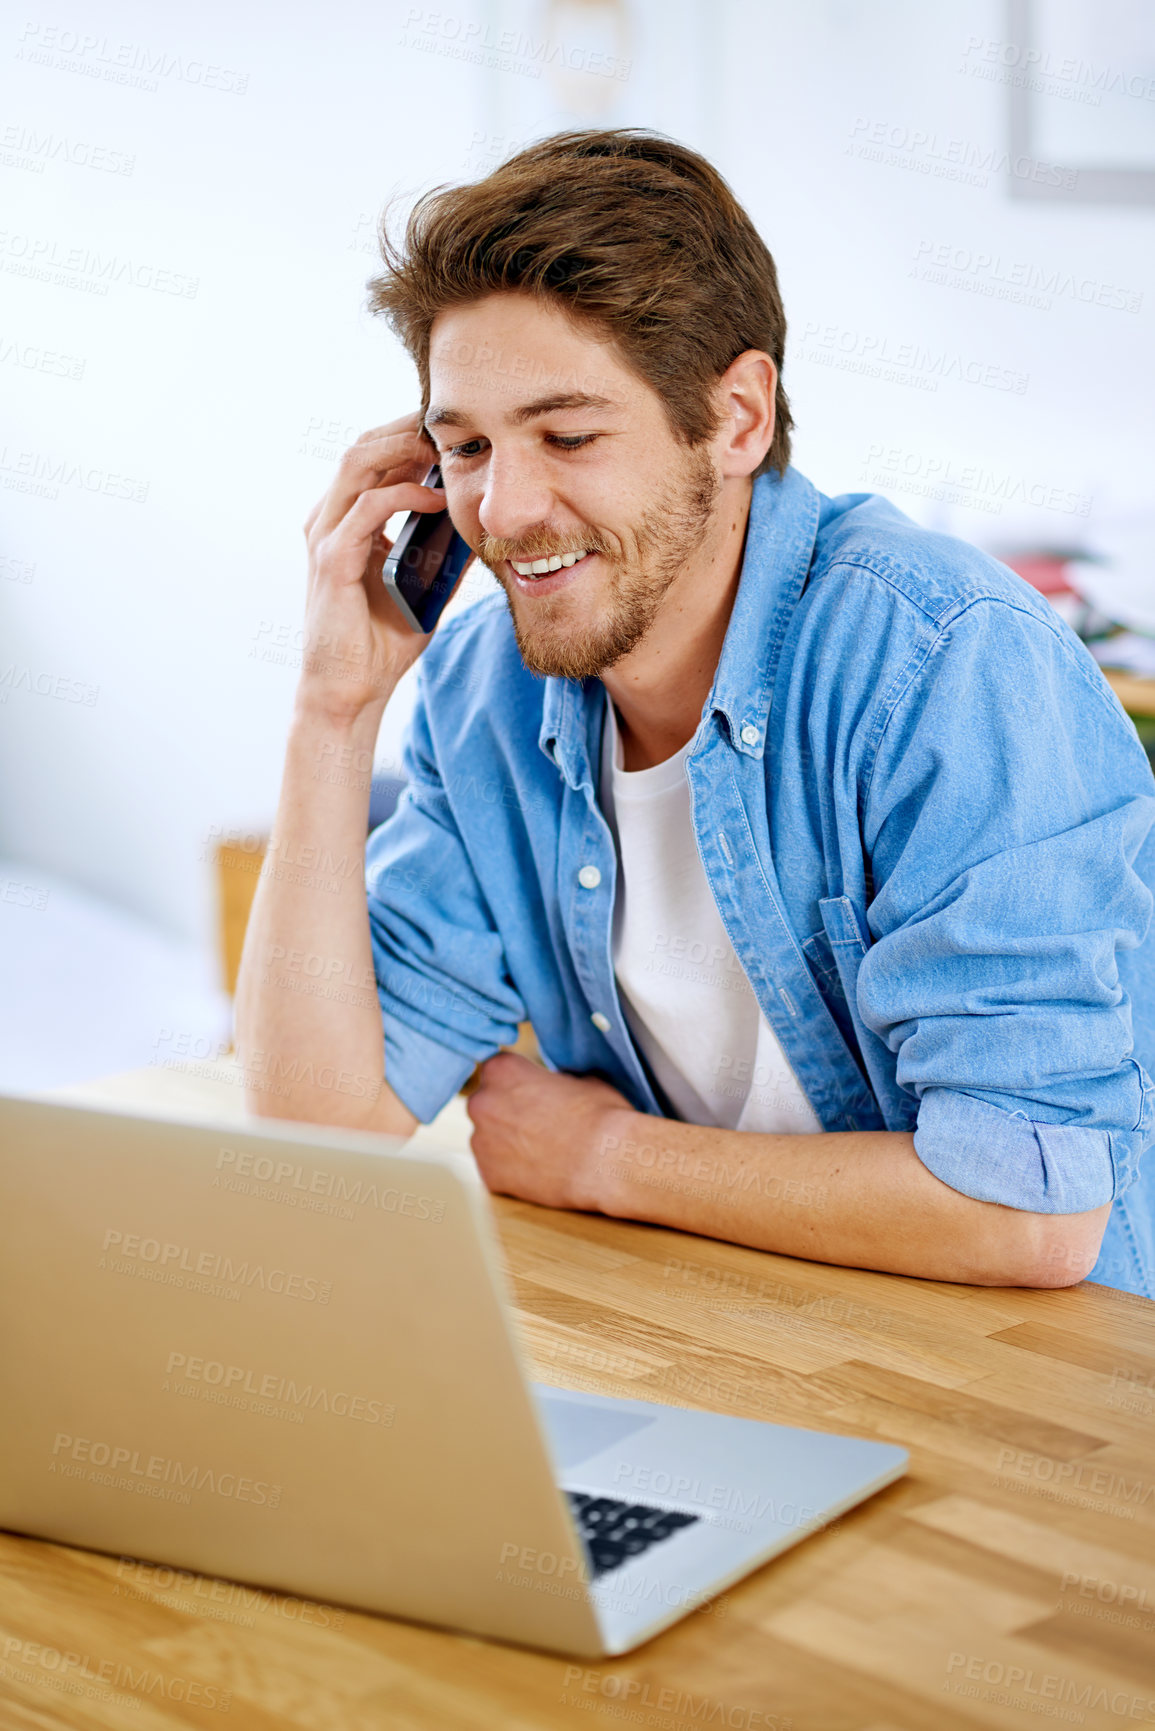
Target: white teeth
<point>539,567</point>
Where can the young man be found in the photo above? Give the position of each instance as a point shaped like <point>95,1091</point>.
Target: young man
<point>813,844</point>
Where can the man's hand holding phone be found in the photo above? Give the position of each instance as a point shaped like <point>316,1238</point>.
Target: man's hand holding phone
<point>357,646</point>
<point>357,643</point>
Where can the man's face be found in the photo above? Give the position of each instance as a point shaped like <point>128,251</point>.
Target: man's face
<point>550,447</point>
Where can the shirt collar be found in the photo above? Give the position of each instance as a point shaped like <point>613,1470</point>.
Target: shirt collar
<point>566,734</point>
<point>780,535</point>
<point>780,539</point>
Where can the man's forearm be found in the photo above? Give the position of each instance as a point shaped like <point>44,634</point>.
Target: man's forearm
<point>309,1024</point>
<point>860,1199</point>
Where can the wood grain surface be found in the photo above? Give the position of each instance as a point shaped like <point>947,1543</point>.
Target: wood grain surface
<point>1008,1580</point>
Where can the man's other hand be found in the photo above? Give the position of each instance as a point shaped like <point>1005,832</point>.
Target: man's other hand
<point>540,1135</point>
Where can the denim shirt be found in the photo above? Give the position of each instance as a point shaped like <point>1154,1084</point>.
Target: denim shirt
<point>928,826</point>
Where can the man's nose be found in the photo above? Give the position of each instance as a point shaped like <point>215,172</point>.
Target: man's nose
<point>517,498</point>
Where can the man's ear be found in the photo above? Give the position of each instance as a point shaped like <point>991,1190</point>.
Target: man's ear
<point>744,399</point>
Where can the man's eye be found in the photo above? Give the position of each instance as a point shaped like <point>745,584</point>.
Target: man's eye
<point>562,441</point>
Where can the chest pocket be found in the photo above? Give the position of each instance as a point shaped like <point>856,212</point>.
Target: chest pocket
<point>833,956</point>
<point>835,952</point>
<point>843,941</point>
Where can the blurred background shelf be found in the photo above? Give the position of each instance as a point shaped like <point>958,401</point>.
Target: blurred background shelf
<point>1136,695</point>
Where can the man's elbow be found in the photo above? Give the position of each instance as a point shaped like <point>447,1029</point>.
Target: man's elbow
<point>383,1115</point>
<point>1058,1250</point>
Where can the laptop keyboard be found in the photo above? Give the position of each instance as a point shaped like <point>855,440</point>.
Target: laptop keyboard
<point>615,1533</point>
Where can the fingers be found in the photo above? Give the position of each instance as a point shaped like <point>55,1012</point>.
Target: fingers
<point>403,424</point>
<point>346,549</point>
<point>375,460</point>
<point>313,515</point>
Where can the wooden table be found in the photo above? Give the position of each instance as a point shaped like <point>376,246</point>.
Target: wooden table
<point>1008,1580</point>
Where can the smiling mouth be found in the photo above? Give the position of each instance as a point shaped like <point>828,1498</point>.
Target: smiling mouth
<point>531,568</point>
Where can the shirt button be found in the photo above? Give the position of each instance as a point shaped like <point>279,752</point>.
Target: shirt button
<point>749,734</point>
<point>600,1022</point>
<point>589,877</point>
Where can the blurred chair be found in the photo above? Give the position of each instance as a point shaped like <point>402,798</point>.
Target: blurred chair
<point>238,868</point>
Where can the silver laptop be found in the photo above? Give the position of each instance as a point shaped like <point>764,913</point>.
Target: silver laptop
<point>285,1355</point>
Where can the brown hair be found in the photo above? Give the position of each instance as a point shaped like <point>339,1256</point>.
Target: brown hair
<point>627,230</point>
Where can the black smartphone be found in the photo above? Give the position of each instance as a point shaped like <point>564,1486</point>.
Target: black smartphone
<point>425,563</point>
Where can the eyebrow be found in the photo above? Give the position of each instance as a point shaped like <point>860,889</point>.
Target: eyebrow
<point>441,416</point>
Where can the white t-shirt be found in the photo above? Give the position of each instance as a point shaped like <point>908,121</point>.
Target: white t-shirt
<point>687,1000</point>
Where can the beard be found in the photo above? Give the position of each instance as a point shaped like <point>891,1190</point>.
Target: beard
<point>642,569</point>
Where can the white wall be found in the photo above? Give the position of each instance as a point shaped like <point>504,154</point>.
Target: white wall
<point>860,138</point>
<point>214,416</point>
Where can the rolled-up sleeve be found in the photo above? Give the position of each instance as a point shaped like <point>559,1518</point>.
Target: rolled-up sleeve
<point>1007,806</point>
<point>446,996</point>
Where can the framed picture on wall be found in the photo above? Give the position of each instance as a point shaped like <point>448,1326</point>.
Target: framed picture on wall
<point>1081,80</point>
